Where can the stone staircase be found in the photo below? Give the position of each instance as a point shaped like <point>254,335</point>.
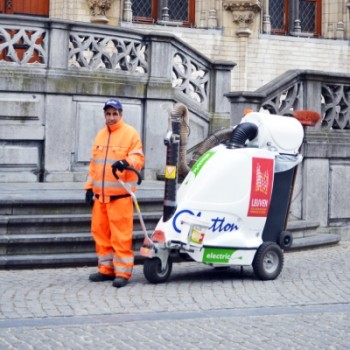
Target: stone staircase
<point>41,229</point>
<point>48,225</point>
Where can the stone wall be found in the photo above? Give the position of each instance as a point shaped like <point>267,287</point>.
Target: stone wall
<point>322,180</point>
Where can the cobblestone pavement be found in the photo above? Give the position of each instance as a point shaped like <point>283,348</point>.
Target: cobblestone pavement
<point>306,307</point>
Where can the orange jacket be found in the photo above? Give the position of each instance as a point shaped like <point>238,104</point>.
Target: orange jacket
<point>112,143</point>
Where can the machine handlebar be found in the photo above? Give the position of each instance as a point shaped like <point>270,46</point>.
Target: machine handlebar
<point>139,178</point>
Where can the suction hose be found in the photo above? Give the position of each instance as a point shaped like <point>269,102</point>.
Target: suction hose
<point>176,142</point>
<point>181,111</point>
<point>242,133</point>
<point>236,138</point>
<point>213,140</point>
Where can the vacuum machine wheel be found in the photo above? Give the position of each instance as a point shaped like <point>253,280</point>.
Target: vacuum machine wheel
<point>285,240</point>
<point>152,269</point>
<point>268,261</point>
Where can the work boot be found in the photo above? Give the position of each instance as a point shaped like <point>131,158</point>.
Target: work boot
<point>119,282</point>
<point>100,277</point>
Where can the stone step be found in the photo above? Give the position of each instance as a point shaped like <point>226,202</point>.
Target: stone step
<point>41,244</point>
<point>54,260</point>
<point>44,225</point>
<point>302,228</point>
<point>61,223</point>
<point>316,240</point>
<point>48,260</point>
<point>65,207</point>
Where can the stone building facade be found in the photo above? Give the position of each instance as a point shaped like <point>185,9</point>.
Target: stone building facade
<point>254,34</point>
<point>216,56</point>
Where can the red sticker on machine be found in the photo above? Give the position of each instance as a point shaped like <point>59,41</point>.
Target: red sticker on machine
<point>260,195</point>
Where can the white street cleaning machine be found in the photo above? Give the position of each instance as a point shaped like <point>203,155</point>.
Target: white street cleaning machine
<point>231,208</point>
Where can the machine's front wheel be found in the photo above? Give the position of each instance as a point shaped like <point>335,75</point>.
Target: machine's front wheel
<point>268,261</point>
<point>152,269</point>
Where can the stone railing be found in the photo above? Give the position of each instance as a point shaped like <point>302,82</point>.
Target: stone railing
<point>57,74</point>
<point>325,93</point>
<point>94,49</point>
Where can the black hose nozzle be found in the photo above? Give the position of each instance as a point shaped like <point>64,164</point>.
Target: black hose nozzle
<point>242,133</point>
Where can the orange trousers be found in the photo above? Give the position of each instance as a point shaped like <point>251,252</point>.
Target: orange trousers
<point>112,228</point>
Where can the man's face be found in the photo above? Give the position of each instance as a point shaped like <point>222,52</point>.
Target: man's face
<point>112,115</point>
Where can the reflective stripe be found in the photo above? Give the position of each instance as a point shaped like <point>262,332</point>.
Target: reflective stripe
<point>129,260</point>
<point>106,257</point>
<point>102,161</point>
<point>110,161</point>
<point>136,152</point>
<point>120,269</point>
<point>105,260</point>
<point>112,184</point>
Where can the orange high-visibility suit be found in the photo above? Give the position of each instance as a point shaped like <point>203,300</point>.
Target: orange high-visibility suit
<point>112,213</point>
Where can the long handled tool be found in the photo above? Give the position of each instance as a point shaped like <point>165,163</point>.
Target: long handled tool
<point>127,187</point>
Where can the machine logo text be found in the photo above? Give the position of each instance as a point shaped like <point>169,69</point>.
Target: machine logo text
<point>218,223</point>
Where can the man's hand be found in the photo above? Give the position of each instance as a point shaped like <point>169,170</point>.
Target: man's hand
<point>120,165</point>
<point>89,197</point>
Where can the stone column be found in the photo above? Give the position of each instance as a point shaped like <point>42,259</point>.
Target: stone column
<point>221,76</point>
<point>340,30</point>
<point>296,16</point>
<point>165,11</point>
<point>347,20</point>
<point>266,25</point>
<point>203,23</point>
<point>241,101</point>
<point>127,11</point>
<point>58,54</point>
<point>212,19</point>
<point>243,15</point>
<point>159,88</point>
<point>315,193</point>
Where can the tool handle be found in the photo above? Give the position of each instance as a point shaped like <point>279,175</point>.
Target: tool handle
<point>139,178</point>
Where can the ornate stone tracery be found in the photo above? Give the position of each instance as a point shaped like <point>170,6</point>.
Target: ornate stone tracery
<point>107,53</point>
<point>23,45</point>
<point>190,77</point>
<point>336,106</point>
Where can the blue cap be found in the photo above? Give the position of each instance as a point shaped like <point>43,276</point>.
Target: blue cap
<point>114,104</point>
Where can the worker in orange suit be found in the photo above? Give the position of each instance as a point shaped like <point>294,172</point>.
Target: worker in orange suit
<point>117,146</point>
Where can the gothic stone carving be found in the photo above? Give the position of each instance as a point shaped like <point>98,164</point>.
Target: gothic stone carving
<point>243,12</point>
<point>99,7</point>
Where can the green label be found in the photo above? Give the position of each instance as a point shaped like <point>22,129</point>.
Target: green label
<point>217,255</point>
<point>201,161</point>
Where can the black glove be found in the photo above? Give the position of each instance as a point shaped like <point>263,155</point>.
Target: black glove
<point>89,197</point>
<point>120,165</point>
